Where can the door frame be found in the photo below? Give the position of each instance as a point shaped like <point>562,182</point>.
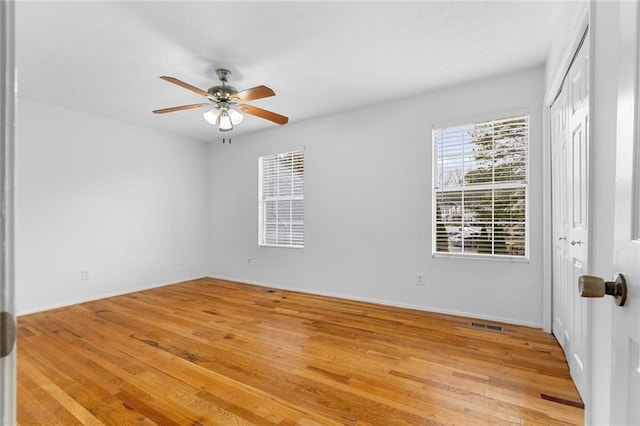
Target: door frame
<point>7,125</point>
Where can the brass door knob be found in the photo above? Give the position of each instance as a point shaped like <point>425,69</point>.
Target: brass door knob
<point>590,286</point>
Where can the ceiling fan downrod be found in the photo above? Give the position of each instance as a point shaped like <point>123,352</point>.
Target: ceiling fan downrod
<point>223,75</point>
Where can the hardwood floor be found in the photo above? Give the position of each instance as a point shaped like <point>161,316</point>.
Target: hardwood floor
<point>218,352</point>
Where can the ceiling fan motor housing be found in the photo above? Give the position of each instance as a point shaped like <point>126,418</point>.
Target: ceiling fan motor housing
<point>221,93</point>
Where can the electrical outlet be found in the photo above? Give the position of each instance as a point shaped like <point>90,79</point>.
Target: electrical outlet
<point>84,274</point>
<point>419,278</point>
<point>248,261</point>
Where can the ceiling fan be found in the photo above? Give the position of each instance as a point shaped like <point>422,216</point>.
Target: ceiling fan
<point>227,104</point>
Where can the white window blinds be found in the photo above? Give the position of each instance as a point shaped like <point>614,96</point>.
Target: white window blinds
<point>281,199</point>
<point>480,188</point>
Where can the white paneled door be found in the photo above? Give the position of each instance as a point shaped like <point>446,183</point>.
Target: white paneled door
<point>559,128</point>
<point>570,141</point>
<point>625,389</point>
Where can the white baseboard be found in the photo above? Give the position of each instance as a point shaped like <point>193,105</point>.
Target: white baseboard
<point>296,289</point>
<point>98,297</point>
<point>471,315</point>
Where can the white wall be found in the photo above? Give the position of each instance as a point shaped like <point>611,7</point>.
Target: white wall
<point>368,206</point>
<point>125,203</point>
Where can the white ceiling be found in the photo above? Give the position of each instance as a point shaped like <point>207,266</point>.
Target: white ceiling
<point>105,58</point>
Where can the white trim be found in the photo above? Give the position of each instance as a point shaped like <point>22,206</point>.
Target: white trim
<point>484,257</point>
<point>71,302</point>
<point>488,117</point>
<point>383,302</point>
<point>279,246</point>
<point>7,202</point>
<point>560,72</point>
<point>273,177</point>
<point>280,151</point>
<point>576,40</point>
<point>479,118</point>
<point>547,231</point>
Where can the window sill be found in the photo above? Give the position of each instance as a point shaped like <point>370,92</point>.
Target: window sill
<point>489,257</point>
<point>280,246</point>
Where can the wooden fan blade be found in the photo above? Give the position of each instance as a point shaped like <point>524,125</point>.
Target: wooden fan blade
<point>178,108</point>
<point>185,85</point>
<point>263,113</point>
<point>257,92</point>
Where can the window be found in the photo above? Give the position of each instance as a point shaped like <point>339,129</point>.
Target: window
<point>281,199</point>
<point>480,190</point>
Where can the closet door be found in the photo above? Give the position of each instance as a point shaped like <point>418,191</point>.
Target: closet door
<point>560,217</point>
<point>570,142</point>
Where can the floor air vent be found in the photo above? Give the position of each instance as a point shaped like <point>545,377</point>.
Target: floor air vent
<point>484,326</point>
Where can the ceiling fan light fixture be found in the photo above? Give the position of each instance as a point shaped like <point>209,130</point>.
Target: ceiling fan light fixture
<point>236,117</point>
<point>224,122</point>
<point>212,116</point>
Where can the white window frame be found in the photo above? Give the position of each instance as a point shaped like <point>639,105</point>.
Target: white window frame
<point>294,221</point>
<point>476,187</point>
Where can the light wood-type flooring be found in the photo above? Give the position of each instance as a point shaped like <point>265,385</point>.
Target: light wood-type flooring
<point>217,352</point>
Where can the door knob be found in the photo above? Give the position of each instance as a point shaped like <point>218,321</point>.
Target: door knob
<point>7,333</point>
<point>576,242</point>
<point>562,238</point>
<point>590,286</point>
